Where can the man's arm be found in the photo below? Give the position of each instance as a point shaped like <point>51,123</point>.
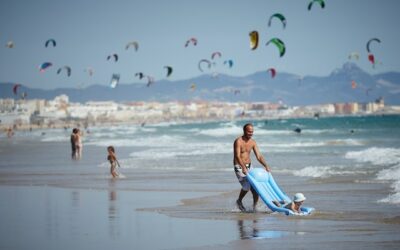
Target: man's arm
<point>260,158</point>
<point>238,159</point>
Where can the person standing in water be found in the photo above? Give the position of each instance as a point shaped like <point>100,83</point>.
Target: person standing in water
<point>242,148</point>
<point>78,143</point>
<point>113,161</point>
<point>73,146</point>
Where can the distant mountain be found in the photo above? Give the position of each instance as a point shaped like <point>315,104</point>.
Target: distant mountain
<point>257,87</point>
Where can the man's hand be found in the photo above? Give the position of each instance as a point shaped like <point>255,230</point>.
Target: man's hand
<point>244,170</point>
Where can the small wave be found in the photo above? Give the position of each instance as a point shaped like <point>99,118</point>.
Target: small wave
<point>391,174</point>
<point>55,138</point>
<point>349,142</point>
<point>183,150</point>
<point>148,141</point>
<point>376,156</point>
<point>325,171</point>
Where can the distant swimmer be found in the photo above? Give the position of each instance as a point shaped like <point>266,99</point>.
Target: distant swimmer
<point>112,158</point>
<point>352,131</point>
<point>297,130</point>
<point>242,148</point>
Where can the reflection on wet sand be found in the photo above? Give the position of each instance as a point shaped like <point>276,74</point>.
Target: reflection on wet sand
<point>113,212</point>
<point>253,231</point>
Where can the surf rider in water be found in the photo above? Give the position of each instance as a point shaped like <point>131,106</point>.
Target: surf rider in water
<point>242,148</point>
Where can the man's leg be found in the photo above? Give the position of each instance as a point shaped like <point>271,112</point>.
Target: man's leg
<point>239,200</point>
<point>255,199</point>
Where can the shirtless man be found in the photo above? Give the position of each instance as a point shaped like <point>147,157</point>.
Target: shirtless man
<point>242,148</point>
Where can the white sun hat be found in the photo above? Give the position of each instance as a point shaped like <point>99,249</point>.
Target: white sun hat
<point>299,197</point>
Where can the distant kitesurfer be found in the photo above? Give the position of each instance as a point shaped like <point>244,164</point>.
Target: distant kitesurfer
<point>242,148</point>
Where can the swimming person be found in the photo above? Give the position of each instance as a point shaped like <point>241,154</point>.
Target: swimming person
<point>113,161</point>
<point>242,148</point>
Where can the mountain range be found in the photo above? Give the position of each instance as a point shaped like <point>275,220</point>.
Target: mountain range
<point>346,84</point>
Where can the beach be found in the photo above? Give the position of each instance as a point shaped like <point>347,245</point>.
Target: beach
<point>178,188</point>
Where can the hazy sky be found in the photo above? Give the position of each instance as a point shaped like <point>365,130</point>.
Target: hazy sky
<point>87,31</point>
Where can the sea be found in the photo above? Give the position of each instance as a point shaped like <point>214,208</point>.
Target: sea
<point>347,167</point>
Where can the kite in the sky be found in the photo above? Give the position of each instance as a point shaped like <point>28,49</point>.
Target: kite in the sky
<point>278,16</point>
<point>321,3</point>
<point>44,66</point>
<point>66,68</point>
<point>203,61</point>
<point>273,72</point>
<point>253,40</point>
<point>369,42</point>
<point>15,88</point>
<point>115,56</point>
<point>52,41</point>
<point>140,75</point>
<point>279,44</point>
<point>132,44</point>
<point>169,70</point>
<point>229,63</point>
<point>191,40</point>
<point>216,53</point>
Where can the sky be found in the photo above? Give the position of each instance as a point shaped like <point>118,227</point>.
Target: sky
<point>87,31</point>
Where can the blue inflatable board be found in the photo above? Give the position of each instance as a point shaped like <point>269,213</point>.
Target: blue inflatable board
<point>266,187</point>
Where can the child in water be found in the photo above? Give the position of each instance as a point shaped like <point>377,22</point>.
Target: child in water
<point>295,205</point>
<point>113,161</point>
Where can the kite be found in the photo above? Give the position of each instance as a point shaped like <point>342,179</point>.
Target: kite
<point>169,70</point>
<point>229,62</point>
<point>15,88</point>
<point>253,40</point>
<point>279,44</point>
<point>44,66</point>
<point>191,40</point>
<point>52,41</point>
<point>202,61</point>
<point>115,56</point>
<point>67,68</point>
<point>280,17</point>
<point>369,42</point>
<point>321,2</point>
<point>273,72</point>
<point>134,44</point>
<point>216,54</point>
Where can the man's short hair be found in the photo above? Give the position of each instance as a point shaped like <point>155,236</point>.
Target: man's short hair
<point>247,125</point>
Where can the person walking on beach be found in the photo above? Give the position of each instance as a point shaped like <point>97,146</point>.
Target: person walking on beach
<point>242,148</point>
<point>73,147</point>
<point>113,161</point>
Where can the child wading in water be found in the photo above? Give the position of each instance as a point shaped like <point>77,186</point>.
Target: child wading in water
<point>113,161</point>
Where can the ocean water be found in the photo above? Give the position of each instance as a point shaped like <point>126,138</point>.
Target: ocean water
<point>363,149</point>
<point>175,174</point>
